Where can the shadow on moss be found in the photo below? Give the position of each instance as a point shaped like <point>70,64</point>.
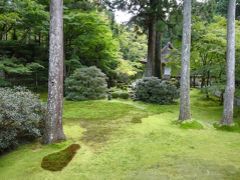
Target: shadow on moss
<point>189,124</point>
<point>99,132</point>
<point>57,161</point>
<point>136,120</point>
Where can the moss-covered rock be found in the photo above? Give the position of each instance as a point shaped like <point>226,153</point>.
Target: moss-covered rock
<point>57,161</point>
<point>190,124</point>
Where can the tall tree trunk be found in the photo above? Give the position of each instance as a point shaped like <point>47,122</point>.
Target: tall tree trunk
<point>230,86</point>
<point>158,56</point>
<point>14,36</point>
<point>151,47</point>
<point>39,38</point>
<point>53,125</point>
<point>185,112</point>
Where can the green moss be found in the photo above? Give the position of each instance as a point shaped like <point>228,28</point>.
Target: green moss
<point>191,124</point>
<point>57,161</point>
<point>231,128</point>
<point>97,132</point>
<point>153,149</point>
<point>101,119</point>
<point>98,110</point>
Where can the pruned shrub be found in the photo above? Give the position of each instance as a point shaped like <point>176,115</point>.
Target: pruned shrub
<point>154,90</point>
<point>88,83</point>
<point>21,115</point>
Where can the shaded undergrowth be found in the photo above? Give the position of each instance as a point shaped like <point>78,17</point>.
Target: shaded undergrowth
<point>57,161</point>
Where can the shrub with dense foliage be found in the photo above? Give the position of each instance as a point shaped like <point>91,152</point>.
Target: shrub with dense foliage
<point>87,83</point>
<point>154,90</point>
<point>21,115</point>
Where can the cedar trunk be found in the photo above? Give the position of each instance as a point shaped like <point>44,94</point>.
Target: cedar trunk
<point>158,56</point>
<point>151,47</point>
<point>185,67</point>
<point>230,71</point>
<point>53,123</point>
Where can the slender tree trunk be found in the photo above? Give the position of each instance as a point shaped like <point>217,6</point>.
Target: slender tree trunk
<point>39,38</point>
<point>158,58</point>
<point>14,36</point>
<point>230,86</point>
<point>203,81</point>
<point>2,32</point>
<point>151,47</point>
<point>222,98</point>
<point>194,81</point>
<point>208,78</point>
<point>6,36</point>
<point>36,81</point>
<point>185,112</point>
<point>53,125</point>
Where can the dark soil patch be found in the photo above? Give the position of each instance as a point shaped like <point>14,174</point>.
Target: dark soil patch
<point>57,161</point>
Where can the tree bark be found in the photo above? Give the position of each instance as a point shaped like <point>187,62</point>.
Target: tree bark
<point>185,112</point>
<point>158,56</point>
<point>230,71</point>
<point>203,81</point>
<point>53,123</point>
<point>151,47</point>
<point>194,81</point>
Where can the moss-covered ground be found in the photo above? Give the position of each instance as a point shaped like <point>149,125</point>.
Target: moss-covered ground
<point>136,141</point>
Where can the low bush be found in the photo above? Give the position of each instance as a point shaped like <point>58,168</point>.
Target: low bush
<point>21,115</point>
<point>154,90</point>
<point>88,83</point>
